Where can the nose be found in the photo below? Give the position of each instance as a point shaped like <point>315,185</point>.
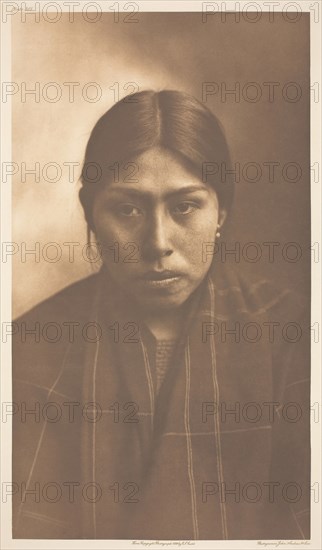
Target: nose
<point>157,238</point>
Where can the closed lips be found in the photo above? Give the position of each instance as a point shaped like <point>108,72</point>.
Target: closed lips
<point>160,275</point>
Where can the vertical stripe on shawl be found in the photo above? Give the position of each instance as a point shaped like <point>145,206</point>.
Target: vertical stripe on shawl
<point>94,432</point>
<point>149,379</point>
<point>189,448</point>
<point>89,431</point>
<point>216,419</point>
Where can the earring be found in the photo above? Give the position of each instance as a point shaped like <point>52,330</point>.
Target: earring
<point>218,232</point>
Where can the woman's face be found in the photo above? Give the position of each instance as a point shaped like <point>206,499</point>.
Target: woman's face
<point>151,228</point>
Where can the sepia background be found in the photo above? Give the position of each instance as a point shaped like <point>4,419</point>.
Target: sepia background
<point>177,51</point>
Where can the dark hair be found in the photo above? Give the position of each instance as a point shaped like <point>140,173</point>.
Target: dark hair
<point>170,119</point>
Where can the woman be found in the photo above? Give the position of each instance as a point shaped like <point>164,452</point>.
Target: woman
<point>159,413</point>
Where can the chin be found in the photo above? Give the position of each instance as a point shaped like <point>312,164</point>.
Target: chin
<point>160,303</point>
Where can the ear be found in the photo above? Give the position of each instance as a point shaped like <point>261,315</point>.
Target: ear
<point>222,217</point>
<point>81,195</point>
<point>86,204</point>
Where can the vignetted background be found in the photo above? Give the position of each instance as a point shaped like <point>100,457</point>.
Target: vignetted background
<point>161,50</point>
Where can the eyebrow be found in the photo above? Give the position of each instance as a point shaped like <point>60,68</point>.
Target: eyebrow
<point>146,194</point>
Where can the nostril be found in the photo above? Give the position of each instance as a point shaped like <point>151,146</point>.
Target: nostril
<point>156,253</point>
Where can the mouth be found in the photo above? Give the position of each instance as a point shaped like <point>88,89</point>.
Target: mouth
<point>160,275</point>
<point>161,279</point>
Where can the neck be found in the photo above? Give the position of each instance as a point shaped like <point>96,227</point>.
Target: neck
<point>165,325</point>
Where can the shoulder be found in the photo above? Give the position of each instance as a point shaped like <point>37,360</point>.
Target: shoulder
<point>73,301</point>
<point>43,336</point>
<point>280,319</point>
<point>260,297</point>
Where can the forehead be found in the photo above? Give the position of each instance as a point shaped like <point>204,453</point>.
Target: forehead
<point>157,172</point>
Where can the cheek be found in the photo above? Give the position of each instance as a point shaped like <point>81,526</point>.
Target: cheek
<point>192,241</point>
<point>108,231</point>
<point>119,251</point>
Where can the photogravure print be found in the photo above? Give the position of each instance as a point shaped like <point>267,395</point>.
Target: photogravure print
<point>162,255</point>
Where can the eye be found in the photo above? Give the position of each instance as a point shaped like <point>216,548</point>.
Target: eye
<point>128,210</point>
<point>184,208</point>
